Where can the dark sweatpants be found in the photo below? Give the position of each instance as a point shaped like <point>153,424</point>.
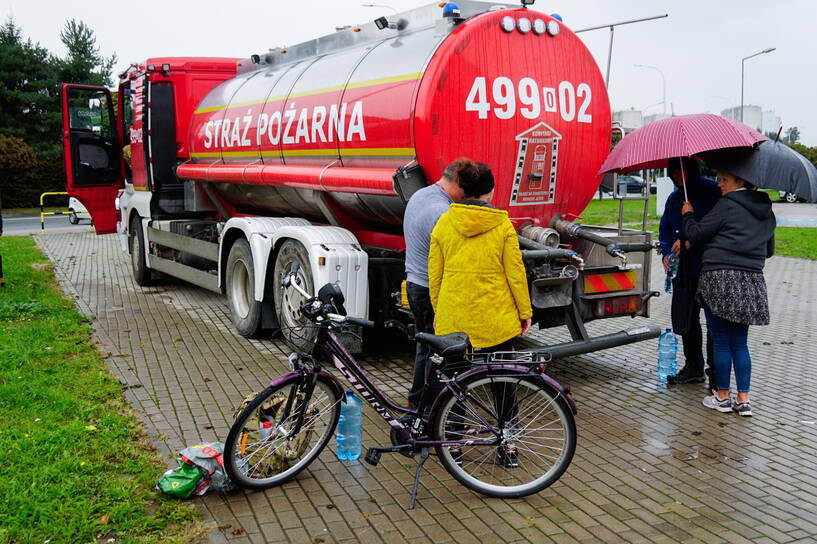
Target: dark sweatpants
<point>693,341</point>
<point>420,304</point>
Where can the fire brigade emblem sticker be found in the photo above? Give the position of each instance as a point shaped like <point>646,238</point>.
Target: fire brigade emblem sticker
<point>534,180</point>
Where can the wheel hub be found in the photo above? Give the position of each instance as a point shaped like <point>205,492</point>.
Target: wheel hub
<point>292,301</point>
<point>240,288</point>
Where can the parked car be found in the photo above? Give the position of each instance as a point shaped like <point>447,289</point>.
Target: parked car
<point>635,183</point>
<point>789,197</point>
<point>77,210</point>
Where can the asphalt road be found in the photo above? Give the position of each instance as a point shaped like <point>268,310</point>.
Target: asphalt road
<point>22,225</point>
<point>795,215</point>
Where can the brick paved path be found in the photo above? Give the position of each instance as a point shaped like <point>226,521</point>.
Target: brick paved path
<point>652,465</point>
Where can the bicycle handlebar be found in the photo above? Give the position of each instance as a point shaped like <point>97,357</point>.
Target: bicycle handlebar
<point>350,320</point>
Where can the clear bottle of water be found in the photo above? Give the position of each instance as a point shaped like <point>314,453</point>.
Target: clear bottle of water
<point>667,351</point>
<point>672,271</point>
<point>349,433</point>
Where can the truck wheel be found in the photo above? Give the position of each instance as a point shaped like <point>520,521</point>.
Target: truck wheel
<point>138,259</point>
<point>294,327</point>
<point>246,311</point>
<point>72,218</point>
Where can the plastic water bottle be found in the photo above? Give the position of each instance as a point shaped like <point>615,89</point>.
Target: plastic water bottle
<point>265,429</point>
<point>349,433</point>
<point>667,350</point>
<point>672,271</point>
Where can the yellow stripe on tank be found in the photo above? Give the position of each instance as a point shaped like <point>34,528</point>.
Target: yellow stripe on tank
<point>359,152</point>
<point>368,83</point>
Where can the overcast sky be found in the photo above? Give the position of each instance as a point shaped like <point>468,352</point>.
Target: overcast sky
<point>698,47</point>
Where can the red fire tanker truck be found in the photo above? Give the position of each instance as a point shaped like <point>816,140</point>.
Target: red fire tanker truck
<point>233,169</point>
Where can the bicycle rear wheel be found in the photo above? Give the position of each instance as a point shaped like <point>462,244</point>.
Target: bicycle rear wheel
<point>261,452</point>
<point>538,434</point>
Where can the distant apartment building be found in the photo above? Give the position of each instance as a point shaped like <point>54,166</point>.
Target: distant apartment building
<point>771,122</point>
<point>629,120</point>
<point>754,116</point>
<point>655,117</point>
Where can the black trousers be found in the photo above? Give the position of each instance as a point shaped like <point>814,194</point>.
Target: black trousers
<point>504,394</point>
<point>693,340</point>
<point>420,304</point>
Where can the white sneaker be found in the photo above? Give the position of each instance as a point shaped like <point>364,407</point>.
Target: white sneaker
<point>712,401</point>
<point>743,408</point>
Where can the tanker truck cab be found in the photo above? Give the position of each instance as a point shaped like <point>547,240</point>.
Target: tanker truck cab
<point>233,169</point>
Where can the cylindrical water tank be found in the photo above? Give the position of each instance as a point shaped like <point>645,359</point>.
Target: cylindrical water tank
<point>513,88</point>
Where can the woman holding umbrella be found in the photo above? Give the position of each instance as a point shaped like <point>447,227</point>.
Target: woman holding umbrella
<point>738,237</point>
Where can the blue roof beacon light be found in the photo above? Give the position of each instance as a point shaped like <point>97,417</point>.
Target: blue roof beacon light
<point>451,9</point>
<point>557,17</point>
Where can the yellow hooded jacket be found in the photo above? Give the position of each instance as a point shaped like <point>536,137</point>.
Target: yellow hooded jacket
<point>477,281</point>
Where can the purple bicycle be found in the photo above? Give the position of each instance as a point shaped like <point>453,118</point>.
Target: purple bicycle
<point>503,428</point>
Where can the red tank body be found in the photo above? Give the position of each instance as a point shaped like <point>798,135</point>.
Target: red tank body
<point>531,105</point>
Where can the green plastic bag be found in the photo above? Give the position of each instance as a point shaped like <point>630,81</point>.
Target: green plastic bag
<point>181,481</point>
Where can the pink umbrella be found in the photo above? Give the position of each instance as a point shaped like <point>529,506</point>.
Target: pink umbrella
<point>678,136</point>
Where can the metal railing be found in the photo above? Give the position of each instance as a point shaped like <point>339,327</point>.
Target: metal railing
<point>44,213</point>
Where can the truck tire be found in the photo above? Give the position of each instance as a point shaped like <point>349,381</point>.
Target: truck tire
<point>138,257</point>
<point>245,310</point>
<point>295,328</point>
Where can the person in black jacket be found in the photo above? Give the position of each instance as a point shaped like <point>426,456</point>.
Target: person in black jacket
<point>703,193</point>
<point>738,237</point>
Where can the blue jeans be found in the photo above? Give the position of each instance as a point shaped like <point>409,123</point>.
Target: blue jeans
<point>730,349</point>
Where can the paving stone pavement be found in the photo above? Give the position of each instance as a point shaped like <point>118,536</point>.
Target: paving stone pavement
<point>652,464</point>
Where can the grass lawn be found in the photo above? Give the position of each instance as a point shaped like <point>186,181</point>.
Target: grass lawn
<point>791,241</point>
<point>796,242</point>
<point>605,212</point>
<point>76,466</point>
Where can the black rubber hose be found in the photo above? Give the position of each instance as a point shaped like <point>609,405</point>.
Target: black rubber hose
<point>549,253</point>
<point>527,243</point>
<point>568,228</point>
<point>628,247</point>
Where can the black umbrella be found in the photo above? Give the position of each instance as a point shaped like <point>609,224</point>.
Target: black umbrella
<point>770,165</point>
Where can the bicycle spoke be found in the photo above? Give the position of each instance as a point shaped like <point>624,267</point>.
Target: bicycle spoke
<point>263,462</point>
<point>535,444</point>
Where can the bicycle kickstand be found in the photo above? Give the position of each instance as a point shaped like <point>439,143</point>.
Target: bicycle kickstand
<point>423,457</point>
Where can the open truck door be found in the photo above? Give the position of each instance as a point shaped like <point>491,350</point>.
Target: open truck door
<point>93,163</point>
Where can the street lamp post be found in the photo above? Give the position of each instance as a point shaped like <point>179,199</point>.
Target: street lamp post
<point>380,6</point>
<point>742,65</point>
<point>663,83</point>
<point>610,48</point>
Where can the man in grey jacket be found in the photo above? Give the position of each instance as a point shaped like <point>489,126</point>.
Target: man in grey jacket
<point>422,212</point>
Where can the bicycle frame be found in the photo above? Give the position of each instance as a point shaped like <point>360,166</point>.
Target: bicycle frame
<point>329,346</point>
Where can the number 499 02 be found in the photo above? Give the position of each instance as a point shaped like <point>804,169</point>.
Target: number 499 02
<point>526,97</point>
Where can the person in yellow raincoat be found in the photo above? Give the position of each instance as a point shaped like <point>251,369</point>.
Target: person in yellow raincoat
<point>478,285</point>
<point>477,280</point>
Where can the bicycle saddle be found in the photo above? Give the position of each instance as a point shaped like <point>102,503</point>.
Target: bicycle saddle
<point>449,345</point>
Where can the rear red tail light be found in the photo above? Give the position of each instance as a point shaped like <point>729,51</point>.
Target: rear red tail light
<point>618,306</point>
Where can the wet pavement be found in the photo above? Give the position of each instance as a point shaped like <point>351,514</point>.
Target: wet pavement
<point>652,464</point>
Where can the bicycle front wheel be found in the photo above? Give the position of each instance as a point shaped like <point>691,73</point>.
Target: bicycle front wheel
<point>261,450</point>
<point>537,434</point>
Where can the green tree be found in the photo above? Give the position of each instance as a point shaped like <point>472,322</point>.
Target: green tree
<point>29,103</point>
<point>793,135</point>
<point>84,64</point>
<point>808,152</point>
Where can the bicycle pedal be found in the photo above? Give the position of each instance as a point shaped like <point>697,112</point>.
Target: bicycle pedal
<point>372,457</point>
